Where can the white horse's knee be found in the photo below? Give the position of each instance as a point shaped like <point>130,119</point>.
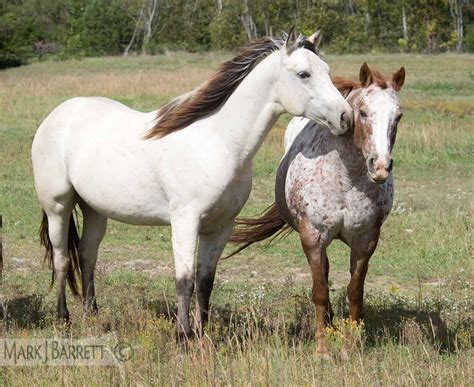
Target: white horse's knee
<point>60,263</point>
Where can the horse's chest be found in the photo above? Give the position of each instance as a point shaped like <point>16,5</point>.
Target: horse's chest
<point>367,206</point>
<point>321,189</point>
<point>315,188</point>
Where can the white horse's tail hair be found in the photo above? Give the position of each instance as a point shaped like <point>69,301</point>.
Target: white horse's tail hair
<point>73,269</point>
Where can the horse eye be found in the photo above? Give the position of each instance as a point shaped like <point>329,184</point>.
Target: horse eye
<point>363,114</point>
<point>304,74</point>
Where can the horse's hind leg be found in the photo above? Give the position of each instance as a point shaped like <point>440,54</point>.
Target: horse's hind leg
<point>314,248</point>
<point>57,219</point>
<point>94,226</point>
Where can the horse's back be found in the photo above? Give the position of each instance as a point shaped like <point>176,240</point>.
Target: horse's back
<point>78,114</point>
<point>82,142</point>
<point>294,128</point>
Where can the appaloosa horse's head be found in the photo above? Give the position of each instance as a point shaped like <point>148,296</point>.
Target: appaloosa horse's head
<point>376,115</point>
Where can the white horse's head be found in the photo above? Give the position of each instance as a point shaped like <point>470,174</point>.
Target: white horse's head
<point>377,113</point>
<point>305,88</point>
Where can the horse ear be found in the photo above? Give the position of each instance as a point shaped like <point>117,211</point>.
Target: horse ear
<point>398,79</point>
<point>316,38</point>
<point>290,39</point>
<point>365,75</point>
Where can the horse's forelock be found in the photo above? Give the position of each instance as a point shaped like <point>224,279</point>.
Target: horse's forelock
<point>346,86</point>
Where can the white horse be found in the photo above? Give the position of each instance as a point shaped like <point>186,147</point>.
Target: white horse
<point>187,165</point>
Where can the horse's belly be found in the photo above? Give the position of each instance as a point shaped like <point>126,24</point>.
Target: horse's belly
<point>122,195</point>
<point>117,176</point>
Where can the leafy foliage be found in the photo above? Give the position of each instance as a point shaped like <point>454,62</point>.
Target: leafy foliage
<point>68,28</point>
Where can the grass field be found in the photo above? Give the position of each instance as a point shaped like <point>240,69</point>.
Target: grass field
<point>419,298</point>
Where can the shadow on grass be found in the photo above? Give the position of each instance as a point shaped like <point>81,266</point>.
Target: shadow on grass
<point>292,319</point>
<point>23,312</point>
<point>397,322</point>
<point>394,323</point>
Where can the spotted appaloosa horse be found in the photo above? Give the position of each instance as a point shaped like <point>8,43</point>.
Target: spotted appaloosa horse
<point>331,187</point>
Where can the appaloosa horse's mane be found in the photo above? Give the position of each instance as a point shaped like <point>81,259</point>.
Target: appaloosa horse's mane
<point>183,111</point>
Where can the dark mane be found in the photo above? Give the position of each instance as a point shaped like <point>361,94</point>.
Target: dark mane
<point>185,110</point>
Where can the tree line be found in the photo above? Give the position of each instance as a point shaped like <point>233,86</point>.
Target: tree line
<point>78,28</point>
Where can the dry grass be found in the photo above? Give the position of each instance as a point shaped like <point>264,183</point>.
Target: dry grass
<point>418,329</point>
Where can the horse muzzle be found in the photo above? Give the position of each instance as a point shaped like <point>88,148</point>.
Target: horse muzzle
<point>345,123</point>
<point>378,172</point>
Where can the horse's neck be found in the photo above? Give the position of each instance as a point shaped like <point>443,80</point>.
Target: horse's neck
<point>243,122</point>
<point>348,153</point>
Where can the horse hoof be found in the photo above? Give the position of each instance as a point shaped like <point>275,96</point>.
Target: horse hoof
<point>345,354</point>
<point>324,356</point>
<point>63,317</point>
<point>185,335</point>
<point>90,312</point>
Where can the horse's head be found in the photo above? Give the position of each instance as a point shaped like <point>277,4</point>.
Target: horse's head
<point>305,88</point>
<point>376,115</point>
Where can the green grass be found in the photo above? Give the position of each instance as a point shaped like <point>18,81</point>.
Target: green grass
<point>418,326</point>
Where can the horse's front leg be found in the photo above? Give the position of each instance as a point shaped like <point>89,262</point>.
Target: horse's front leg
<point>329,313</point>
<point>211,246</point>
<point>184,229</point>
<point>361,251</point>
<point>314,249</point>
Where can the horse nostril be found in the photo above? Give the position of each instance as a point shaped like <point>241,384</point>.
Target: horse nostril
<point>371,162</point>
<point>344,123</point>
<point>390,166</point>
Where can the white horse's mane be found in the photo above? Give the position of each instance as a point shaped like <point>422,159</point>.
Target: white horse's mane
<point>206,98</point>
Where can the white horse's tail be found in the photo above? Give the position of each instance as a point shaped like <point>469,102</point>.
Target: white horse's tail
<point>73,269</point>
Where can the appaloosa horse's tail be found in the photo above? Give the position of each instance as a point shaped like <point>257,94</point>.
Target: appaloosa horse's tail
<point>248,231</point>
<point>72,244</point>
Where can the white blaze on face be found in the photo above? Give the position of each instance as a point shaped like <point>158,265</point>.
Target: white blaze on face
<point>384,106</point>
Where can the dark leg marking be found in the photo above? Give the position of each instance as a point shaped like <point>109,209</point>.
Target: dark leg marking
<point>184,291</point>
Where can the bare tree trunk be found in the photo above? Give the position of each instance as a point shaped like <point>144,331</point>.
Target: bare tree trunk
<point>404,23</point>
<point>137,26</point>
<point>266,18</point>
<point>248,22</point>
<point>219,7</point>
<point>1,252</point>
<point>367,20</point>
<point>456,11</point>
<point>350,6</point>
<point>267,26</point>
<point>150,16</point>
<point>297,11</point>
